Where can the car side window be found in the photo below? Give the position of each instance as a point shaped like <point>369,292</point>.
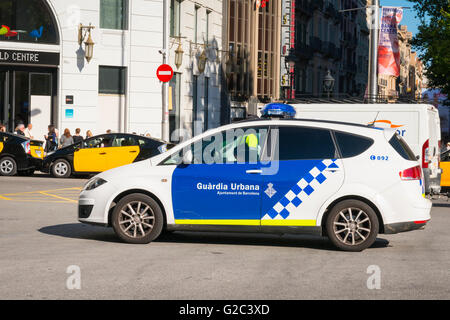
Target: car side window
<point>445,157</point>
<point>124,141</point>
<point>304,143</point>
<point>244,145</point>
<point>99,142</point>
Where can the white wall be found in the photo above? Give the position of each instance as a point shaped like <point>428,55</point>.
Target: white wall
<point>135,48</point>
<point>190,58</point>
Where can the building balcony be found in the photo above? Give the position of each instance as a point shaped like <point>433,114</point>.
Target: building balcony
<point>316,44</point>
<point>317,5</point>
<point>329,49</point>
<point>351,68</point>
<point>331,11</point>
<point>303,51</point>
<point>304,7</point>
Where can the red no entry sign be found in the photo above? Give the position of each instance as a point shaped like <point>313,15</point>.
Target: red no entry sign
<point>164,73</point>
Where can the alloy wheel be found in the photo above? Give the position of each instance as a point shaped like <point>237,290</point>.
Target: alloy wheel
<point>61,168</point>
<point>6,166</point>
<point>136,219</point>
<point>352,226</point>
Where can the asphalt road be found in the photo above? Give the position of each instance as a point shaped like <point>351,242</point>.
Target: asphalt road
<point>40,238</point>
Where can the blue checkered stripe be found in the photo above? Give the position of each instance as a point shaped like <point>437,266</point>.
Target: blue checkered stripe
<point>301,191</point>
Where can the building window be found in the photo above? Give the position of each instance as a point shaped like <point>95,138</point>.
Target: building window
<point>197,8</point>
<point>113,14</point>
<point>208,13</point>
<point>175,18</point>
<point>112,80</point>
<point>174,106</point>
<point>194,103</point>
<point>206,107</point>
<point>27,21</point>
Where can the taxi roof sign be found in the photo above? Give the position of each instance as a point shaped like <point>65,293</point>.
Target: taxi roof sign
<point>278,110</point>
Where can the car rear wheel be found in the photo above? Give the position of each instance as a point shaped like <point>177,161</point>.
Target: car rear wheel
<point>352,225</point>
<point>61,169</point>
<point>137,218</point>
<point>8,166</point>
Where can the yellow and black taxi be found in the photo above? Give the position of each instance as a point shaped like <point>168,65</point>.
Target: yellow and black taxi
<point>19,155</point>
<point>101,153</point>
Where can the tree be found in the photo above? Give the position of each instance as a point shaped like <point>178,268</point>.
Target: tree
<point>433,41</point>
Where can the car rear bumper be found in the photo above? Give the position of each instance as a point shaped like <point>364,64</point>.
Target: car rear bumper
<point>404,226</point>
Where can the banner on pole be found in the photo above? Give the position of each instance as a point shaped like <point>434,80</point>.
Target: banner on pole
<point>388,48</point>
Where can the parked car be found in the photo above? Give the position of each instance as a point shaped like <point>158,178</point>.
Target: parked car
<point>418,124</point>
<point>101,153</point>
<point>19,155</point>
<point>348,182</point>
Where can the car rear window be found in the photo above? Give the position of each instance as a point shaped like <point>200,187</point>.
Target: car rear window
<point>402,148</point>
<point>352,145</point>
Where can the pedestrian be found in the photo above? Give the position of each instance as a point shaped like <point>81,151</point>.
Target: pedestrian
<point>76,137</point>
<point>89,134</point>
<point>51,140</point>
<point>66,139</point>
<point>2,128</point>
<point>20,129</point>
<point>28,132</point>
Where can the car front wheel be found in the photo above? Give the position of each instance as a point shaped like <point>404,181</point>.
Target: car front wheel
<point>137,218</point>
<point>352,225</point>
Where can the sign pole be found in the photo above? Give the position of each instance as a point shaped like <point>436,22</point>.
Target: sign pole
<point>165,131</point>
<point>373,58</point>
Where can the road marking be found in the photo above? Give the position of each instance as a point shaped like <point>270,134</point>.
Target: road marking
<point>46,196</point>
<point>58,197</point>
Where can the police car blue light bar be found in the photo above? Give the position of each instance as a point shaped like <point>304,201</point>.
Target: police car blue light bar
<point>278,110</point>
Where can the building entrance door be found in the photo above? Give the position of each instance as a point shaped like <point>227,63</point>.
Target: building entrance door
<point>28,95</point>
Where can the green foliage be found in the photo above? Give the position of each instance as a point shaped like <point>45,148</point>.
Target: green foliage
<point>433,40</point>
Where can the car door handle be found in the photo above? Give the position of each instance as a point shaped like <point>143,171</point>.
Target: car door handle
<point>103,153</point>
<point>254,171</point>
<point>332,170</point>
<point>133,151</point>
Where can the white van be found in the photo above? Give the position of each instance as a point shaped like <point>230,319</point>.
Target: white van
<point>418,124</point>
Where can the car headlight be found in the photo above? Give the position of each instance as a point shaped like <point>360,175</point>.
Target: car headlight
<point>94,183</point>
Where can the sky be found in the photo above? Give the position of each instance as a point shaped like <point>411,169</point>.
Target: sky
<point>409,15</point>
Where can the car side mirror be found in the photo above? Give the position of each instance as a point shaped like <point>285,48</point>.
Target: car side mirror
<point>188,157</point>
<point>417,157</point>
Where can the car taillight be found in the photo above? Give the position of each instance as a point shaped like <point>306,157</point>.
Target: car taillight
<point>426,154</point>
<point>414,173</point>
<point>26,147</point>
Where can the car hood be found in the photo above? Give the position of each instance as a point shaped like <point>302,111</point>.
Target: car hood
<point>126,171</point>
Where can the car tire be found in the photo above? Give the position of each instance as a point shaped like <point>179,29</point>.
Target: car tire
<point>8,167</point>
<point>137,219</point>
<point>352,225</point>
<point>61,169</point>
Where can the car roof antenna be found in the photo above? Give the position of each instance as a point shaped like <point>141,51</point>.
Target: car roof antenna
<point>372,124</point>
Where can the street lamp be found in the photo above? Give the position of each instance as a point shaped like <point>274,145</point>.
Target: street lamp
<point>328,83</point>
<point>179,56</point>
<point>202,61</point>
<point>290,62</point>
<point>89,44</point>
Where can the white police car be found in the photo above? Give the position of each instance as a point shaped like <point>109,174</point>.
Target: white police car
<point>348,182</point>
